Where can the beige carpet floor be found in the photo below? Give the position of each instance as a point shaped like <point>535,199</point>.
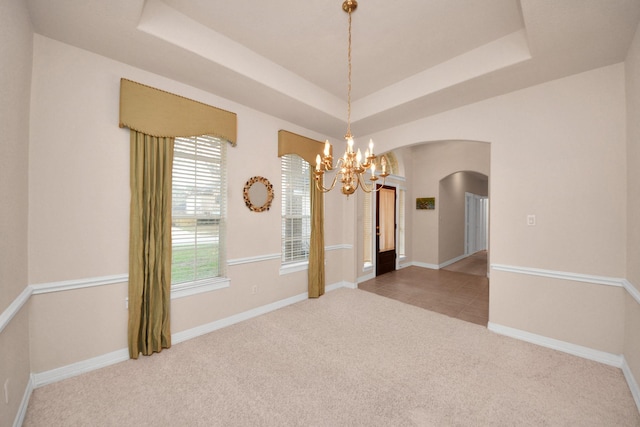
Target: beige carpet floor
<point>349,358</point>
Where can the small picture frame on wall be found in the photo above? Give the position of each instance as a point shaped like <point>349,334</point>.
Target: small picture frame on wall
<point>426,203</point>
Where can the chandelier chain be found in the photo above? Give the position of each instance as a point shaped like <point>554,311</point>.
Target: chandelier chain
<point>348,135</point>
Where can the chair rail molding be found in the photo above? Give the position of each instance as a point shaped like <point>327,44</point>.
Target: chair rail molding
<point>15,307</point>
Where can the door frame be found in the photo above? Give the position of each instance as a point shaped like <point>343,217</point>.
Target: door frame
<point>476,227</point>
<point>375,225</point>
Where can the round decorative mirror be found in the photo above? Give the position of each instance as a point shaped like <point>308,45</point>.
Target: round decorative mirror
<point>258,194</point>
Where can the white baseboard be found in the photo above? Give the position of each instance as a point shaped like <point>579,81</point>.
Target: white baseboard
<point>610,359</point>
<point>341,284</point>
<point>452,261</point>
<point>366,277</point>
<point>424,265</point>
<point>48,377</point>
<point>577,350</point>
<point>69,371</point>
<point>237,318</point>
<point>633,384</point>
<point>24,404</point>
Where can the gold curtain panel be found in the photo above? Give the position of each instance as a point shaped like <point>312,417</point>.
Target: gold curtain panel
<point>163,114</point>
<point>307,148</point>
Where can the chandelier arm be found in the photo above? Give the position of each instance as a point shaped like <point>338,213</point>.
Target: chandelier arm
<point>384,180</point>
<point>322,188</point>
<point>372,188</point>
<point>364,186</point>
<point>366,189</point>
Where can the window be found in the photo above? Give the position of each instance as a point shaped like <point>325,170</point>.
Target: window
<point>296,209</point>
<point>198,209</point>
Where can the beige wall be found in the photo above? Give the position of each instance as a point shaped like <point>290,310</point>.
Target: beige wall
<point>14,365</point>
<point>15,80</point>
<point>429,164</point>
<point>79,209</point>
<point>632,336</point>
<point>75,325</point>
<point>553,146</point>
<point>632,324</point>
<point>632,72</point>
<point>585,314</point>
<point>557,151</point>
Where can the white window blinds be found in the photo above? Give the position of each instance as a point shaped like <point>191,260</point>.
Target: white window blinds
<point>198,209</point>
<point>296,209</point>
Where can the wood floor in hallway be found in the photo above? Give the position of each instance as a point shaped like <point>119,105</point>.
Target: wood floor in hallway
<point>461,290</point>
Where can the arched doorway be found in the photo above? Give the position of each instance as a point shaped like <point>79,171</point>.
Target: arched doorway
<point>463,218</point>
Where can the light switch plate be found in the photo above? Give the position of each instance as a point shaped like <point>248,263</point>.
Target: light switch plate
<point>531,220</point>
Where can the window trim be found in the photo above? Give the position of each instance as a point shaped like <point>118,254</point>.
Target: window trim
<point>293,267</point>
<point>298,264</point>
<point>186,289</point>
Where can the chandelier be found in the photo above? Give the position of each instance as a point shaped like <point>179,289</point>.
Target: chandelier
<point>353,168</point>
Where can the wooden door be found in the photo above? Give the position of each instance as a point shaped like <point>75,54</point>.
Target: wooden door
<point>385,230</point>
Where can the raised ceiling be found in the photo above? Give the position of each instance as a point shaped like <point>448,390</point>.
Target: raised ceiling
<point>288,58</point>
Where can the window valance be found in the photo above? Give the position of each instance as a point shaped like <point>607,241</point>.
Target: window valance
<point>307,148</point>
<point>163,114</point>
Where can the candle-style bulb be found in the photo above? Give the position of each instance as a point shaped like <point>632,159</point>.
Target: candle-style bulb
<point>327,148</point>
<point>373,169</point>
<point>318,162</point>
<point>371,147</point>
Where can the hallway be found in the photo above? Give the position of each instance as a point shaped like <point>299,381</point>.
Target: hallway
<point>460,290</point>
